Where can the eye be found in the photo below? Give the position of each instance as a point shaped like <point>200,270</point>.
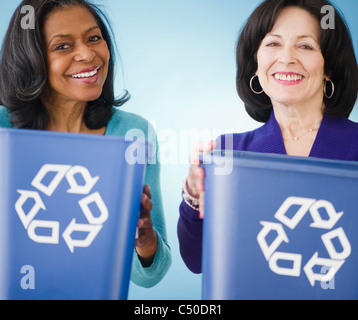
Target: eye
<point>306,47</point>
<point>62,47</point>
<point>272,44</point>
<point>95,38</point>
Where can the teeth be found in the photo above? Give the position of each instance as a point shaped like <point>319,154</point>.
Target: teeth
<point>290,77</point>
<point>86,74</point>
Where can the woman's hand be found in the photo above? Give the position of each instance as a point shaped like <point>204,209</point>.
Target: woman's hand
<point>195,180</point>
<point>147,241</point>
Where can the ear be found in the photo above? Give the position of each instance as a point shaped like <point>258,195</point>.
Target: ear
<point>327,77</point>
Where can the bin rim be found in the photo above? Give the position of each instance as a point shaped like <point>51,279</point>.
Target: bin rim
<point>281,162</point>
<point>67,135</point>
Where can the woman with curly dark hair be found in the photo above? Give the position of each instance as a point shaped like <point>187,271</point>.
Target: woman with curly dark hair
<point>59,76</point>
<point>298,78</point>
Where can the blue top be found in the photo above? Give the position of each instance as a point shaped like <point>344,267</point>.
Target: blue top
<point>337,139</point>
<point>128,124</point>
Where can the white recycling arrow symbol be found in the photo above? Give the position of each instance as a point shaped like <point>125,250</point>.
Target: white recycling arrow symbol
<point>341,236</point>
<point>294,271</point>
<point>75,187</point>
<point>25,195</point>
<point>291,219</point>
<point>304,204</point>
<point>97,199</point>
<point>334,266</point>
<point>92,231</point>
<point>268,250</point>
<point>58,172</point>
<point>317,218</point>
<point>46,169</point>
<point>54,226</point>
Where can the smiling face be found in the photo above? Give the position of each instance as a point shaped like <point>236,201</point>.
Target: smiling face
<point>77,56</point>
<point>290,62</point>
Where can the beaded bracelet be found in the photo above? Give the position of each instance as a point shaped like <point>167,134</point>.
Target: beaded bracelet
<point>189,200</point>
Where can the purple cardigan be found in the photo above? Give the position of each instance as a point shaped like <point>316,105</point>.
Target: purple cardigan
<point>336,139</point>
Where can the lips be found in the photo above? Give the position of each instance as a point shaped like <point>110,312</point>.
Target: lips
<point>288,77</point>
<point>85,73</point>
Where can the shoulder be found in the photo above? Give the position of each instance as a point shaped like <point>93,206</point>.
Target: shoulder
<point>337,139</point>
<point>345,122</point>
<point>350,124</point>
<point>341,126</point>
<point>4,119</point>
<point>124,123</point>
<point>132,126</point>
<point>241,141</point>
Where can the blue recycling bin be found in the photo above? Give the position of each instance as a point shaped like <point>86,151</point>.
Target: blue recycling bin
<point>69,206</point>
<point>279,227</point>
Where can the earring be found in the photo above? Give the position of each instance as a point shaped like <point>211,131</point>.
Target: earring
<point>251,80</point>
<point>325,89</point>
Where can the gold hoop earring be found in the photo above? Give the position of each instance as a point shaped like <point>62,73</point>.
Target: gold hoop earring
<point>252,89</point>
<point>325,89</point>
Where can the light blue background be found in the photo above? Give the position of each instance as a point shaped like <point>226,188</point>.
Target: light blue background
<point>178,63</point>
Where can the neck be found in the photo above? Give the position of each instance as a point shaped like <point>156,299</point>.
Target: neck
<point>66,116</point>
<point>294,121</point>
<point>69,117</point>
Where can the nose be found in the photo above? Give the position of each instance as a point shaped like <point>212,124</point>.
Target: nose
<point>84,53</point>
<point>287,55</point>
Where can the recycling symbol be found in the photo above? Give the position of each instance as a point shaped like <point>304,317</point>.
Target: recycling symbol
<point>78,186</point>
<point>315,208</point>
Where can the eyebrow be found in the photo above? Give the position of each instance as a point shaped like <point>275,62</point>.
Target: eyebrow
<point>68,35</point>
<point>299,37</point>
